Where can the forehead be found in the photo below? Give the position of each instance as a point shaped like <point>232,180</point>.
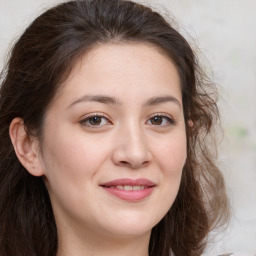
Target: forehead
<point>115,66</point>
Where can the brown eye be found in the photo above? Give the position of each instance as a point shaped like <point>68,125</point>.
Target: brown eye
<point>161,120</point>
<point>96,120</point>
<point>157,120</point>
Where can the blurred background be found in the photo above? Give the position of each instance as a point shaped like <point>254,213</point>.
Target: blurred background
<point>224,31</point>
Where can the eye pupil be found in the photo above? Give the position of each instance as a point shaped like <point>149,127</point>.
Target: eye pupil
<point>157,120</point>
<point>96,120</point>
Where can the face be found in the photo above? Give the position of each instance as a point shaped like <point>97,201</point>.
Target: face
<point>114,143</point>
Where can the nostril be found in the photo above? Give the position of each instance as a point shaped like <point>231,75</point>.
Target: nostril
<point>145,163</point>
<point>133,164</point>
<point>124,162</point>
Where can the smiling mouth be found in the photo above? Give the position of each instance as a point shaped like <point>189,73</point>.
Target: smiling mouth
<point>130,190</point>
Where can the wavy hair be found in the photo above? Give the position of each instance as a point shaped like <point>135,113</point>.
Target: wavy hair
<point>40,61</point>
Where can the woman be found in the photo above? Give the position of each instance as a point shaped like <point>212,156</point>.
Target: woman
<point>105,124</point>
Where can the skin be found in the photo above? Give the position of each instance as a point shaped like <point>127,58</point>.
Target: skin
<point>77,154</point>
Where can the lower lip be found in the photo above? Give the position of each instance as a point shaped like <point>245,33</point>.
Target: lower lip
<point>131,195</point>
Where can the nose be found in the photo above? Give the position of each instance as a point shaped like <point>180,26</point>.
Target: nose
<point>131,149</point>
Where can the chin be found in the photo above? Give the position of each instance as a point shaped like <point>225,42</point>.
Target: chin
<point>131,225</point>
<point>131,232</point>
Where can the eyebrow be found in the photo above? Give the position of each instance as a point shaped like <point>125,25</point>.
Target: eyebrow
<point>96,98</point>
<point>114,101</point>
<point>163,99</point>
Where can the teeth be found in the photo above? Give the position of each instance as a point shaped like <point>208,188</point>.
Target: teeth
<point>128,187</point>
<point>136,188</point>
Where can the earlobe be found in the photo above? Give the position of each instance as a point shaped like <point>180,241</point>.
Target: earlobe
<point>26,147</point>
<point>190,123</point>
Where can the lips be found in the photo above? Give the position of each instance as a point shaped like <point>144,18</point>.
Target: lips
<point>129,189</point>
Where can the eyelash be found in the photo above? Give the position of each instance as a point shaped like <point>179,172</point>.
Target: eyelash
<point>170,121</point>
<point>90,117</point>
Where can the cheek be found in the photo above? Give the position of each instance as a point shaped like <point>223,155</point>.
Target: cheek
<point>64,162</point>
<point>170,158</point>
<point>172,155</point>
<point>71,165</point>
<point>71,155</point>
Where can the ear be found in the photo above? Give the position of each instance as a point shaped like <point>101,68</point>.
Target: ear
<point>26,147</point>
<point>190,123</point>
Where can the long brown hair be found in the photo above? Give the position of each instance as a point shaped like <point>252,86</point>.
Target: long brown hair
<point>39,63</point>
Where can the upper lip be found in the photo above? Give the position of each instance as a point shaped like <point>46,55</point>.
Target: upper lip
<point>129,182</point>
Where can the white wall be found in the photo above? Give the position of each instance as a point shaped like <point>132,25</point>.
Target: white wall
<point>225,31</point>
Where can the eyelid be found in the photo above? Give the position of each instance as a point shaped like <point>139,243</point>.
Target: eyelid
<point>90,115</point>
<point>164,115</point>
